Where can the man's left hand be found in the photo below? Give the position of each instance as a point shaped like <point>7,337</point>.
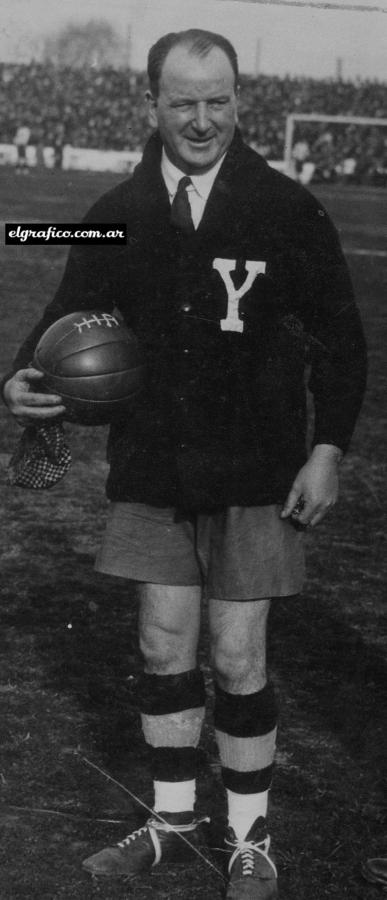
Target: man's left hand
<point>315,489</point>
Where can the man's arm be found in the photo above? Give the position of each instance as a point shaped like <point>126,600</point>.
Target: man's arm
<point>316,488</point>
<point>86,284</point>
<point>78,290</point>
<point>21,395</point>
<point>338,367</point>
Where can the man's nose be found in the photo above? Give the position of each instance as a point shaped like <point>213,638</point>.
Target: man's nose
<point>201,118</point>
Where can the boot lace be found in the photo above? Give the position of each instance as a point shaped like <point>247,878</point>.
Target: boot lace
<point>247,851</point>
<point>132,837</point>
<point>153,825</point>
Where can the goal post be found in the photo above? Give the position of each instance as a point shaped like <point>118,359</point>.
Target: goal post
<point>293,118</point>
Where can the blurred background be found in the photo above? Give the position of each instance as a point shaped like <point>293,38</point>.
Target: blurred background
<point>72,78</point>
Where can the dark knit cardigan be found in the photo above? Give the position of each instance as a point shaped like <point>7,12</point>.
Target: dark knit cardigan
<point>223,418</point>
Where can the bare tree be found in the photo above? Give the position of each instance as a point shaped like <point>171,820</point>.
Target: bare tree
<point>94,43</point>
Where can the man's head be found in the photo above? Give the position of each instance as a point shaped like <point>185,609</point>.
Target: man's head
<point>193,97</point>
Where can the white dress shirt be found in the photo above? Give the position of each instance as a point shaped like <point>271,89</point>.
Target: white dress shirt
<point>198,191</point>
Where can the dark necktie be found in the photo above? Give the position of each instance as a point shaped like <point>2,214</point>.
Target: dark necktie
<point>181,216</point>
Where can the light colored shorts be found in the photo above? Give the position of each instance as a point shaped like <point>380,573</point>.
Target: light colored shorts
<point>240,553</point>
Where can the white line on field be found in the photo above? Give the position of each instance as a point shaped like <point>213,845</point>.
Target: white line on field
<point>358,251</point>
<point>16,221</point>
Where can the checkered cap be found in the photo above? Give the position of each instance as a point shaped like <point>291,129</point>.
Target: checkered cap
<point>41,458</point>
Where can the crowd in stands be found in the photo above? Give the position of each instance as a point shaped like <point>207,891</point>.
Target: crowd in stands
<point>104,109</point>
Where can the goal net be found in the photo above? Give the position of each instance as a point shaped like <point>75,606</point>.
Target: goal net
<point>329,148</point>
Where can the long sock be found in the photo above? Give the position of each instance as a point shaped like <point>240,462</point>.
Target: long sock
<point>172,712</point>
<point>246,733</point>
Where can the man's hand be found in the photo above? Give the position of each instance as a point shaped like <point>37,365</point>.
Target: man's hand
<point>316,487</point>
<point>25,403</point>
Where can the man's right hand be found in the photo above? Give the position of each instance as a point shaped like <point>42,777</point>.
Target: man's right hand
<point>26,403</point>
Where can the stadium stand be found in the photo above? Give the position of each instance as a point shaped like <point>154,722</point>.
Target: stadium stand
<point>104,109</point>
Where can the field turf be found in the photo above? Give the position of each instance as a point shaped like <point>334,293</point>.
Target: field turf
<point>69,657</point>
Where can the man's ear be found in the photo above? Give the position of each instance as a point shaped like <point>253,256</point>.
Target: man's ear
<point>151,103</point>
<point>238,96</point>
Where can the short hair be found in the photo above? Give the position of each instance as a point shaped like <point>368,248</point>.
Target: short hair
<point>197,41</point>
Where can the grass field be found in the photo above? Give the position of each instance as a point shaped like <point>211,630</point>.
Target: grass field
<point>69,656</point>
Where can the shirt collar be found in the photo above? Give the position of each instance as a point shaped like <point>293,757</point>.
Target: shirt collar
<point>202,183</point>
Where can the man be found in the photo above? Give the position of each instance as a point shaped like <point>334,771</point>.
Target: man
<point>233,279</point>
<point>21,141</point>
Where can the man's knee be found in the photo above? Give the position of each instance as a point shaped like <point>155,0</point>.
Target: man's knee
<point>161,648</point>
<point>238,648</point>
<point>168,628</point>
<point>238,670</point>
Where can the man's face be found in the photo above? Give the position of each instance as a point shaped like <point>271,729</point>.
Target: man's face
<point>196,110</point>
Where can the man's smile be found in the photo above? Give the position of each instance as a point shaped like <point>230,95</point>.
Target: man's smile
<point>200,140</point>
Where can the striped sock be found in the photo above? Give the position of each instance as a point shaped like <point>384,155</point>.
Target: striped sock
<point>246,728</point>
<point>172,712</point>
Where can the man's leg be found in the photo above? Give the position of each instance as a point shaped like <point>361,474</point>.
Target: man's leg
<point>245,722</point>
<point>171,697</point>
<point>171,691</point>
